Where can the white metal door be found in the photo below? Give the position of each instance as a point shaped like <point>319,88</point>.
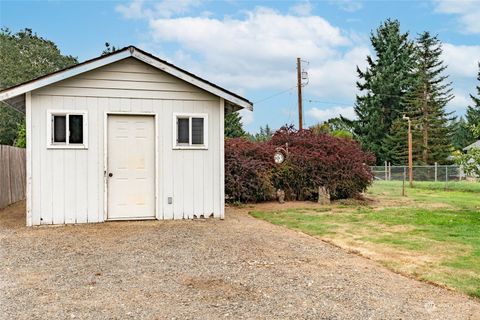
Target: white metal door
<point>131,167</point>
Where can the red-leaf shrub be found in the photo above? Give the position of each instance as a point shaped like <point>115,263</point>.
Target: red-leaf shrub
<point>248,168</point>
<point>339,164</point>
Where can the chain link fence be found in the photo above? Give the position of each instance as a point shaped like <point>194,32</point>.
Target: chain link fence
<point>434,173</point>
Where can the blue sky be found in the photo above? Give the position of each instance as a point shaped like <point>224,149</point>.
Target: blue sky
<point>250,47</point>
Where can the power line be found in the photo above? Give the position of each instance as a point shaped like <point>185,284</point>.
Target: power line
<point>350,103</point>
<point>274,95</point>
<point>329,102</point>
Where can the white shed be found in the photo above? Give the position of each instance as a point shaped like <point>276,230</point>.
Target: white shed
<point>125,136</point>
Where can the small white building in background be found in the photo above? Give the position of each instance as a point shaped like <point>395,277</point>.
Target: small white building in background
<point>476,144</point>
<point>125,136</point>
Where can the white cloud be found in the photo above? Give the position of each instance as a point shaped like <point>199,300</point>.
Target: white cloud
<point>168,8</point>
<point>134,10</point>
<point>468,13</point>
<point>302,9</point>
<point>259,51</point>
<point>459,102</point>
<point>247,116</point>
<point>138,9</point>
<point>328,113</point>
<point>337,77</point>
<point>348,5</point>
<point>462,60</point>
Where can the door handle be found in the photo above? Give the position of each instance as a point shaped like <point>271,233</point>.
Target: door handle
<point>110,174</point>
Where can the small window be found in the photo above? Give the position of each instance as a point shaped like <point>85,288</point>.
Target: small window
<point>67,129</point>
<point>75,122</point>
<point>190,131</point>
<point>59,129</point>
<point>183,131</point>
<point>197,130</point>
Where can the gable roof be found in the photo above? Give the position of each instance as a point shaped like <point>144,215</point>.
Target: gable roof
<point>476,144</point>
<point>232,100</point>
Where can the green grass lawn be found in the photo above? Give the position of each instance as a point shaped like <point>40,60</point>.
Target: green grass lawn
<point>431,234</point>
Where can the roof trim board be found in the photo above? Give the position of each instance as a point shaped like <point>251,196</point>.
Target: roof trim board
<point>120,55</point>
<point>61,75</point>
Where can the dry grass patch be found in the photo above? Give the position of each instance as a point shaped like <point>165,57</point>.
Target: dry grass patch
<point>431,234</point>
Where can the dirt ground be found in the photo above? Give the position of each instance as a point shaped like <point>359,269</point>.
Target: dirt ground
<point>238,268</point>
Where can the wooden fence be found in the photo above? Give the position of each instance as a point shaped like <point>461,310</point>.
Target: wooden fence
<point>12,175</point>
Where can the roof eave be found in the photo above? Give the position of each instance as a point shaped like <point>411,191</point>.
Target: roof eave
<point>62,75</point>
<point>120,55</point>
<point>181,74</point>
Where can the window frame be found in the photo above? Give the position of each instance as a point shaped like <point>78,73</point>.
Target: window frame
<point>189,146</point>
<point>66,144</point>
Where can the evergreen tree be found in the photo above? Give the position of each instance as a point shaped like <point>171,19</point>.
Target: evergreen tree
<point>426,102</point>
<point>473,112</point>
<point>395,144</point>
<point>462,135</point>
<point>340,123</point>
<point>24,56</point>
<point>265,134</point>
<point>383,84</point>
<point>233,125</point>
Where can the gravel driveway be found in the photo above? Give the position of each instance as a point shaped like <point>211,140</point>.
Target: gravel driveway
<point>238,268</point>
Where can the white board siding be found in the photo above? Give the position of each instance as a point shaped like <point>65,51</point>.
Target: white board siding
<point>92,158</point>
<point>68,185</point>
<point>47,161</point>
<point>35,159</point>
<point>28,169</point>
<point>128,78</point>
<point>222,158</point>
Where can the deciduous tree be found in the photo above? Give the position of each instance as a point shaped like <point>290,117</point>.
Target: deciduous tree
<point>24,56</point>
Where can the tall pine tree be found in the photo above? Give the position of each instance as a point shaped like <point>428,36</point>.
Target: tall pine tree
<point>426,102</point>
<point>233,125</point>
<point>395,144</point>
<point>462,135</point>
<point>383,86</point>
<point>473,111</point>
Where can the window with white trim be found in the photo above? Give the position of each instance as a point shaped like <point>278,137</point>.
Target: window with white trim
<point>67,129</point>
<point>190,131</point>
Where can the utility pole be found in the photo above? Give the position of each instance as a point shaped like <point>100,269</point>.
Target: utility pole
<point>299,88</point>
<point>410,160</point>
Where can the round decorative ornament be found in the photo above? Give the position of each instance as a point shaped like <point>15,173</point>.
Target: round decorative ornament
<point>278,157</point>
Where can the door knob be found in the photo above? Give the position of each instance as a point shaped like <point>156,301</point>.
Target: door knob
<point>110,174</point>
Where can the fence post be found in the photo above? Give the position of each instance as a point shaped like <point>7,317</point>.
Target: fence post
<point>9,172</point>
<point>446,177</point>
<point>386,171</point>
<point>436,171</point>
<point>389,171</point>
<point>403,180</point>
